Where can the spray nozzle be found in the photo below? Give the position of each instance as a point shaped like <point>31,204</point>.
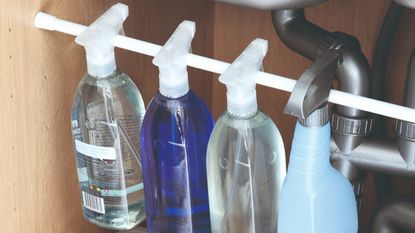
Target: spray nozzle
<point>172,61</point>
<point>98,40</point>
<point>309,98</point>
<point>239,79</point>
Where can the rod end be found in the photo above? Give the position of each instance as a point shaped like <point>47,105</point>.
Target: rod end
<point>45,21</point>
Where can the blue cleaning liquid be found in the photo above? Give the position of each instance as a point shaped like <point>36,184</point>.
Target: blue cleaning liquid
<point>174,139</point>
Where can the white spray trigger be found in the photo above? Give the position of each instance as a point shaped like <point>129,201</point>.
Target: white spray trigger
<point>239,79</point>
<point>172,61</point>
<point>98,40</point>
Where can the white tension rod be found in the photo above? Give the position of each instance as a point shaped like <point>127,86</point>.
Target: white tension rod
<point>53,23</point>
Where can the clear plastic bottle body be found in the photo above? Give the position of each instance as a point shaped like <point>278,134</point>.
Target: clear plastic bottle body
<point>174,138</point>
<point>246,167</point>
<point>315,197</point>
<point>106,121</point>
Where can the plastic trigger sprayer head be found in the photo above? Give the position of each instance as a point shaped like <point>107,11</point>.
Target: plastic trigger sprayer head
<point>239,79</point>
<point>172,61</point>
<point>98,40</point>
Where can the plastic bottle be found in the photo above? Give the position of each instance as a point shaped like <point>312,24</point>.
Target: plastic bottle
<point>107,114</point>
<point>175,133</point>
<point>315,197</point>
<point>246,158</point>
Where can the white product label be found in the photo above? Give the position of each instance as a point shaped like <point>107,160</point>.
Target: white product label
<point>93,203</point>
<point>98,152</point>
<point>83,174</point>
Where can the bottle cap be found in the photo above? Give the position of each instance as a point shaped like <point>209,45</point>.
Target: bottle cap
<point>319,117</point>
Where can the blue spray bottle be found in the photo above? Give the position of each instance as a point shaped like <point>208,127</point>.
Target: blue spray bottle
<point>174,138</point>
<point>315,197</point>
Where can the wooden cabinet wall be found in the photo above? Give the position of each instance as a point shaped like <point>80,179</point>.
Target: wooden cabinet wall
<point>39,72</point>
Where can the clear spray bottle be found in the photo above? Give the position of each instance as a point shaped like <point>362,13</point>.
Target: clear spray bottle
<point>107,114</point>
<point>246,158</point>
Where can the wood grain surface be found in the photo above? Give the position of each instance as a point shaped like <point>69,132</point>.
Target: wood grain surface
<point>39,73</point>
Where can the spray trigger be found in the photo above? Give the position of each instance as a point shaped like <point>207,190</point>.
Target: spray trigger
<point>312,89</point>
<point>239,78</point>
<point>172,61</point>
<point>98,40</point>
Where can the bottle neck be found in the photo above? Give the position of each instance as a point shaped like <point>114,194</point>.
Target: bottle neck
<point>101,71</point>
<point>114,74</point>
<point>310,150</point>
<point>242,105</point>
<point>173,83</point>
<point>101,67</point>
<point>318,118</point>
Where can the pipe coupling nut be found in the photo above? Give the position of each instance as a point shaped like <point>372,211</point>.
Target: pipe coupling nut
<point>351,126</point>
<point>336,41</point>
<point>405,129</point>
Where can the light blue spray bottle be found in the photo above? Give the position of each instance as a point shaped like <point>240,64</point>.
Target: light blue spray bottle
<point>315,197</point>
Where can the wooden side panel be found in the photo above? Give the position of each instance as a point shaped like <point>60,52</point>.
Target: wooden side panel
<point>39,74</point>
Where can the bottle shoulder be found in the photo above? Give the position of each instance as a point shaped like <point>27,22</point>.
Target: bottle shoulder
<point>186,101</point>
<point>116,82</point>
<point>116,79</point>
<point>188,108</point>
<point>190,104</point>
<point>257,120</point>
<point>258,131</point>
<point>117,91</point>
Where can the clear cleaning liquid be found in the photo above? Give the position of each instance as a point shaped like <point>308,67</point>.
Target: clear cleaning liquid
<point>246,168</point>
<point>106,121</point>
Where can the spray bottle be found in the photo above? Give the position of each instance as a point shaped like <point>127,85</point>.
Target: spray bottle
<point>107,114</point>
<point>246,158</point>
<point>175,133</point>
<point>315,197</point>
